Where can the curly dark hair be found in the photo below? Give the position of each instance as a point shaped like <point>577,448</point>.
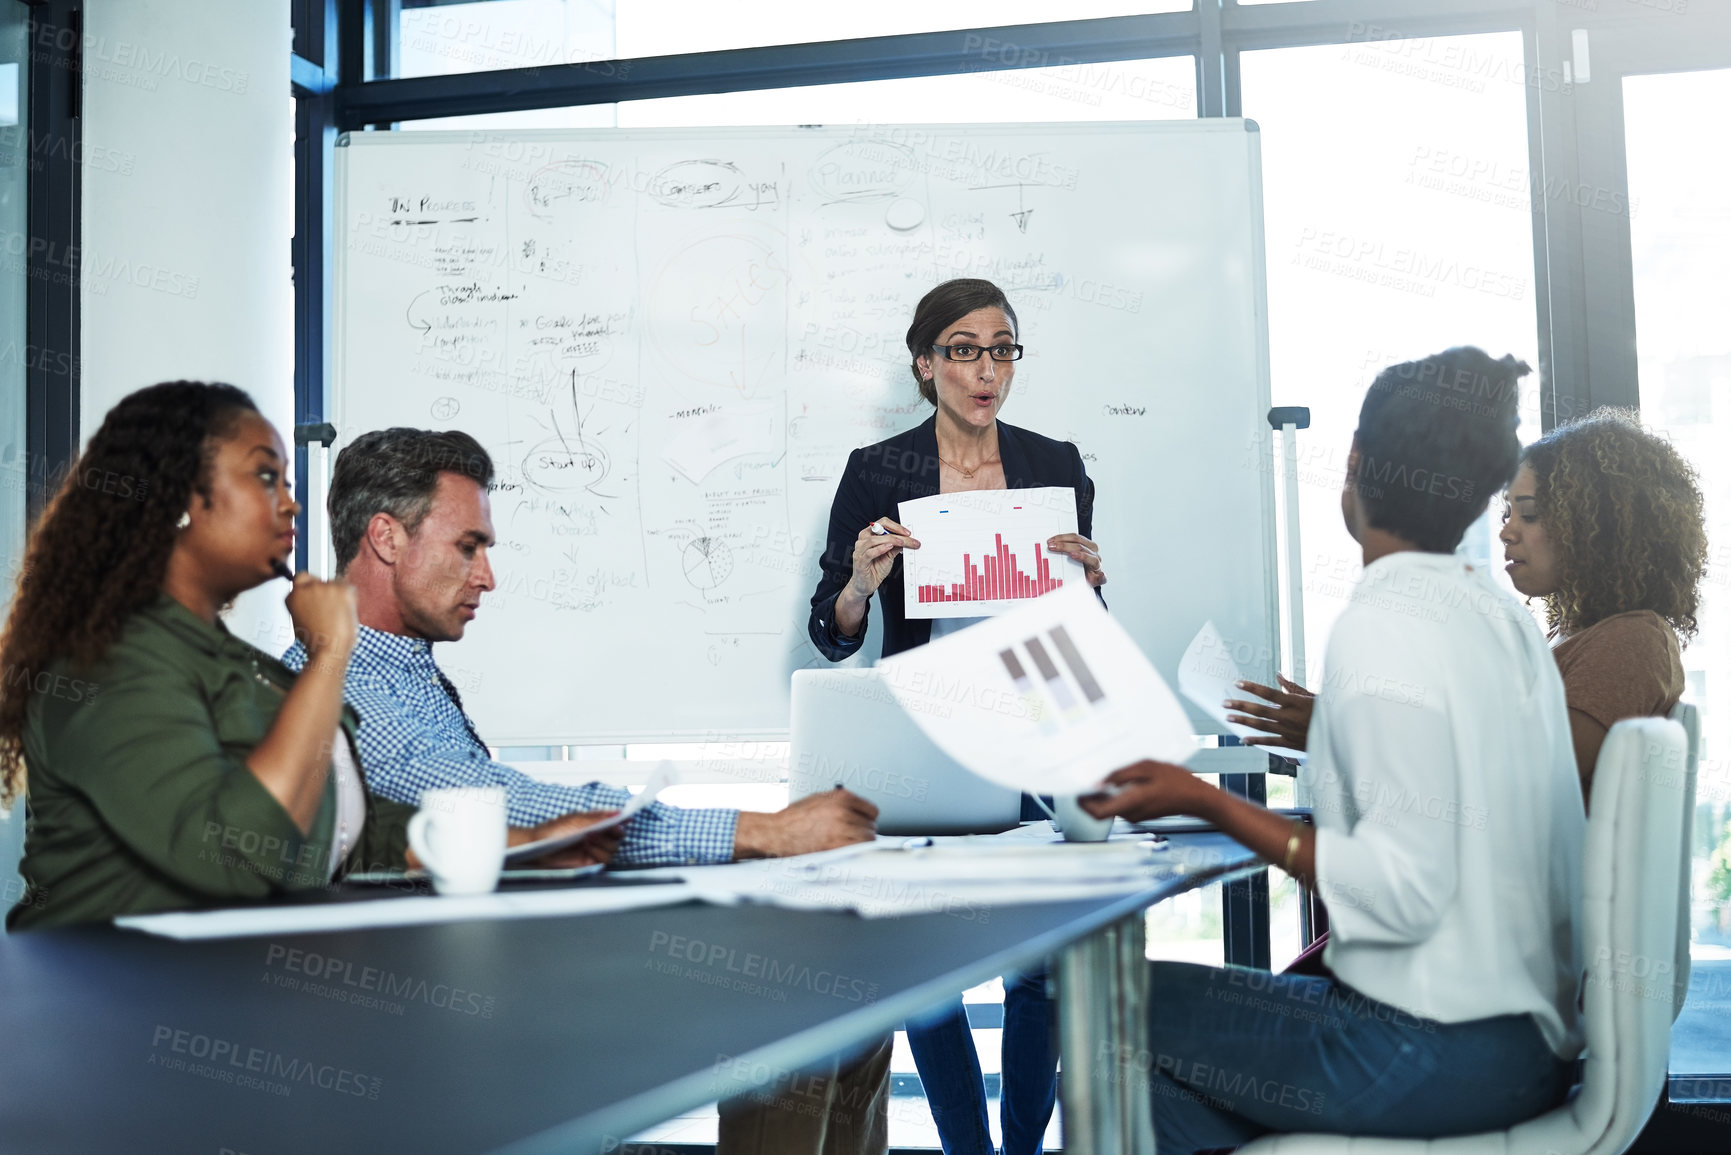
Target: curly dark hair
<point>101,549</point>
<point>1622,510</point>
<point>1436,441</point>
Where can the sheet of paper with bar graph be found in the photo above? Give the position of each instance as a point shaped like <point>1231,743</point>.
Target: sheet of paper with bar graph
<point>1049,697</point>
<point>984,552</point>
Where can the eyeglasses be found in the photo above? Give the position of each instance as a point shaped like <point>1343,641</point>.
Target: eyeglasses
<point>972,352</point>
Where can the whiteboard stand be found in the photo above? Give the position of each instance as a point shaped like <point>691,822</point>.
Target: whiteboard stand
<point>1287,420</point>
<point>316,486</point>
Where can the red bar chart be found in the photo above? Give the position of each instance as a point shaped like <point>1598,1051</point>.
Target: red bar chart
<point>997,577</point>
<point>984,552</point>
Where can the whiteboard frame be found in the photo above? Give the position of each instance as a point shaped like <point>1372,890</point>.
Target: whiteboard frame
<point>336,384</point>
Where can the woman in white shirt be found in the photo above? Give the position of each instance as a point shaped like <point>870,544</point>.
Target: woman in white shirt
<point>1448,828</point>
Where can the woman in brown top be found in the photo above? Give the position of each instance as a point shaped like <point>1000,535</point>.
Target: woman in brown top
<point>1604,522</point>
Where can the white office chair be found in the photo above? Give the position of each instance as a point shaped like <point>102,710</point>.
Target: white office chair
<point>1629,939</point>
<point>1688,717</point>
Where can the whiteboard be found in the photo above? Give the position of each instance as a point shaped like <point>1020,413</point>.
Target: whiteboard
<point>670,340</point>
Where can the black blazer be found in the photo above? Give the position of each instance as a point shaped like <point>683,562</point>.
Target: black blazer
<point>899,469</point>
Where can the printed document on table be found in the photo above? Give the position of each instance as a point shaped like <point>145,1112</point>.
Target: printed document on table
<point>963,877</point>
<point>421,910</point>
<point>1048,698</point>
<point>1208,675</point>
<point>984,552</point>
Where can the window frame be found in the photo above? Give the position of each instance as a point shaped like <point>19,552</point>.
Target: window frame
<point>345,52</point>
<point>1584,285</point>
<point>52,316</point>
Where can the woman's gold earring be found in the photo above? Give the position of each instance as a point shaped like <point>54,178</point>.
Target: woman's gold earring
<point>185,520</point>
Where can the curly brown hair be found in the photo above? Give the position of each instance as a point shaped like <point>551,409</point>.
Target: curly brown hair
<point>1622,510</point>
<point>101,549</point>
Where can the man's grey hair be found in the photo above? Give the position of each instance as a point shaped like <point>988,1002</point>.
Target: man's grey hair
<point>396,471</point>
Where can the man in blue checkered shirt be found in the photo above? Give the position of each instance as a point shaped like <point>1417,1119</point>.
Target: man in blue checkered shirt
<point>411,523</point>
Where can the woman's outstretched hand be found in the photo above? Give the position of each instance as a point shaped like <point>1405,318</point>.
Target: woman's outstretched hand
<point>1286,720</point>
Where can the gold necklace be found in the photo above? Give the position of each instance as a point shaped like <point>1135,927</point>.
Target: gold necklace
<point>968,473</point>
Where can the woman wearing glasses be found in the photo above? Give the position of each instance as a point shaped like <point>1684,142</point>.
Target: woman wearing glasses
<point>964,350</point>
<point>963,342</point>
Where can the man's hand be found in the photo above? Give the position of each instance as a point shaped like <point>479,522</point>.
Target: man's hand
<point>1288,720</point>
<point>820,822</point>
<point>1148,790</point>
<point>598,848</point>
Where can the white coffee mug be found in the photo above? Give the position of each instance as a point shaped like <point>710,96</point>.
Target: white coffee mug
<point>1077,824</point>
<point>459,836</point>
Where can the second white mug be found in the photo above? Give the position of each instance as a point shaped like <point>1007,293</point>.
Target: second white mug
<point>1077,824</point>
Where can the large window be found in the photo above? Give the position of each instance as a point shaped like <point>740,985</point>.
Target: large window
<point>1399,223</point>
<point>16,158</point>
<point>439,39</point>
<point>1394,191</point>
<point>16,473</point>
<point>1680,227</point>
<point>1160,89</point>
<point>1399,186</point>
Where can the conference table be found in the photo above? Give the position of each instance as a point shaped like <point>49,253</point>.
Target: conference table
<point>565,1034</point>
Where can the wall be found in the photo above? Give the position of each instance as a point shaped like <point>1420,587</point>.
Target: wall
<point>188,212</point>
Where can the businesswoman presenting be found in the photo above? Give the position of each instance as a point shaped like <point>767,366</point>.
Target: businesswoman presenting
<point>964,350</point>
<point>170,764</point>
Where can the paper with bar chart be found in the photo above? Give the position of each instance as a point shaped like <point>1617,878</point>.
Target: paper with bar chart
<point>1049,697</point>
<point>984,552</point>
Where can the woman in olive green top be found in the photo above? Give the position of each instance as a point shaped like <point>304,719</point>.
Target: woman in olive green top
<point>166,763</point>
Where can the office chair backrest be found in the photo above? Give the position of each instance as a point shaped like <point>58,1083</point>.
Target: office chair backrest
<point>1688,717</point>
<point>1629,916</point>
<point>1629,929</point>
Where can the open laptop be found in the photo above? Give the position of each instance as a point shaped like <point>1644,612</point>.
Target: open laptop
<point>848,730</point>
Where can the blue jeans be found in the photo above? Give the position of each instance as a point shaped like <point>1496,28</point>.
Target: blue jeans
<point>943,1049</point>
<point>1238,1053</point>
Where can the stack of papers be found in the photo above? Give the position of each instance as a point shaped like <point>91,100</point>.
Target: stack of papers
<point>964,877</point>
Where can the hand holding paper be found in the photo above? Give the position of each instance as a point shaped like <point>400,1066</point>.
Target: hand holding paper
<point>595,833</point>
<point>1048,698</point>
<point>541,847</point>
<point>1148,790</point>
